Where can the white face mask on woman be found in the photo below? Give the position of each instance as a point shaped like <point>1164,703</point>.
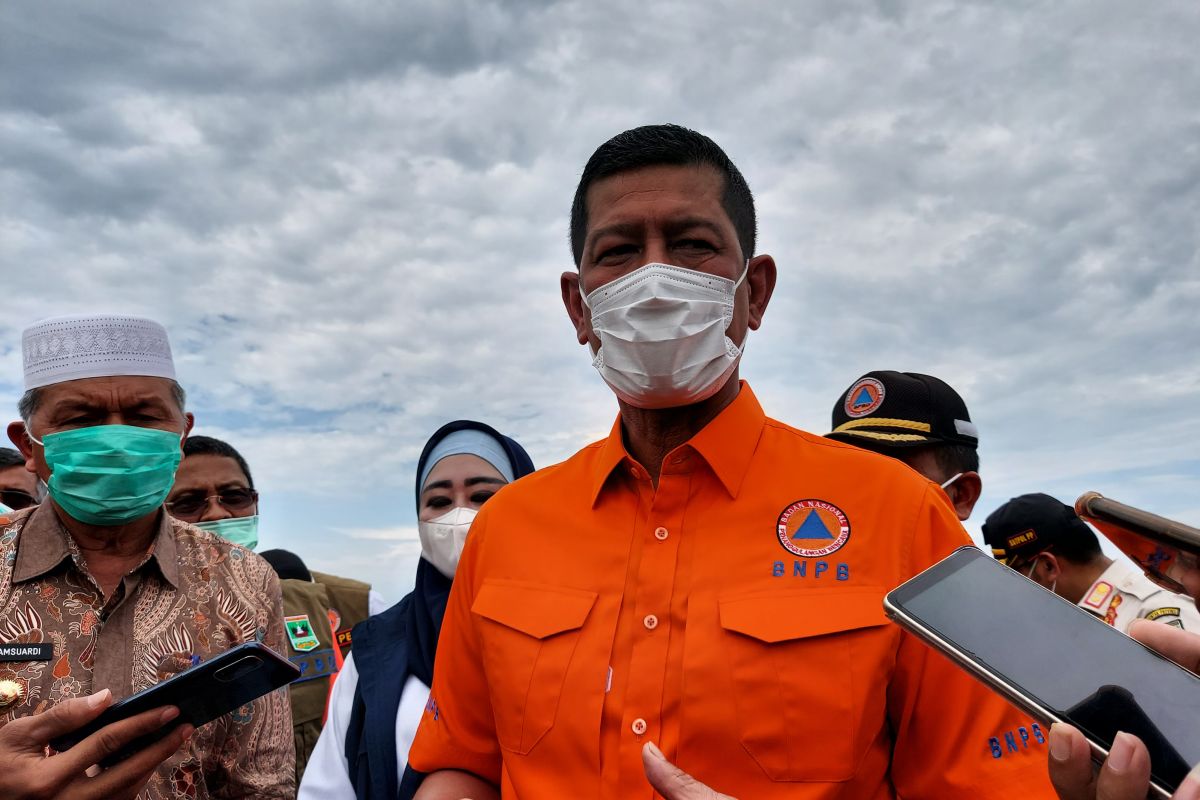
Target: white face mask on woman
<point>662,334</point>
<point>443,538</point>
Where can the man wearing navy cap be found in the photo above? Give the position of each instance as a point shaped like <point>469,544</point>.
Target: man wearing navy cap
<point>917,419</point>
<point>1043,539</point>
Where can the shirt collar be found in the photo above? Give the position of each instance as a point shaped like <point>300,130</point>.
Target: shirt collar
<point>45,543</point>
<point>726,444</point>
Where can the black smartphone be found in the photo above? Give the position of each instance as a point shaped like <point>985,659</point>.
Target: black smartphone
<point>1054,660</point>
<point>202,693</point>
<point>1166,550</point>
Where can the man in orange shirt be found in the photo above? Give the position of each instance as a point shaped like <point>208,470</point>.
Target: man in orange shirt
<point>705,585</point>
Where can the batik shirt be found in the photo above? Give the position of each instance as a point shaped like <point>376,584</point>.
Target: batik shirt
<point>192,597</point>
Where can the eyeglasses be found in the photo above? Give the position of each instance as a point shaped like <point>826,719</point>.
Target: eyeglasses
<point>17,499</point>
<point>192,504</point>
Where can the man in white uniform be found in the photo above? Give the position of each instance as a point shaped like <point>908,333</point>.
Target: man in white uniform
<point>1042,538</point>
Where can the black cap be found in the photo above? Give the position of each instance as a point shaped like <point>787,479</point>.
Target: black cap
<point>885,409</point>
<point>287,565</point>
<point>1029,524</point>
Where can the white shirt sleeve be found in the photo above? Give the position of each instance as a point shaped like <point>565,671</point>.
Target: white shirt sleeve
<point>375,603</point>
<point>327,776</point>
<point>408,717</point>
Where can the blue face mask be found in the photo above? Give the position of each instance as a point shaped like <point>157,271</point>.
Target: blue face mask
<point>111,474</point>
<point>239,530</point>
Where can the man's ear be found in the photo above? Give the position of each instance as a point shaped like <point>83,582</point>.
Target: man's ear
<point>189,422</point>
<point>18,436</point>
<point>1052,569</point>
<point>573,300</point>
<point>760,280</point>
<point>964,493</point>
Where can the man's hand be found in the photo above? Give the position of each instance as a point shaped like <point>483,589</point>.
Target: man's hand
<point>671,782</point>
<point>27,773</point>
<point>1125,774</point>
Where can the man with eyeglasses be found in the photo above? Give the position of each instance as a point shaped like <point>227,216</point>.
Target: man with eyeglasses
<point>214,490</point>
<point>18,486</point>
<point>1044,540</point>
<point>102,594</point>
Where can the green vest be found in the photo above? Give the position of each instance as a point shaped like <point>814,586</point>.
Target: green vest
<point>349,604</point>
<point>310,647</point>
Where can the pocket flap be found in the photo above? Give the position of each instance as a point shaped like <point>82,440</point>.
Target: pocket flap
<point>780,616</point>
<point>533,608</point>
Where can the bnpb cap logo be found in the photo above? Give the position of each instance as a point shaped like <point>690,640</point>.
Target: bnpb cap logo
<point>863,398</point>
<point>813,528</point>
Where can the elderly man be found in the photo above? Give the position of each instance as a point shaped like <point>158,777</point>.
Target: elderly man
<point>115,594</point>
<point>705,585</point>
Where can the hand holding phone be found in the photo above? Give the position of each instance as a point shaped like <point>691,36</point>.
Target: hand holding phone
<point>27,773</point>
<point>1054,660</point>
<point>1125,774</point>
<point>202,693</point>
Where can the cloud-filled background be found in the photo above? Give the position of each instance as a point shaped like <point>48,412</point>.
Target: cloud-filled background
<point>352,217</point>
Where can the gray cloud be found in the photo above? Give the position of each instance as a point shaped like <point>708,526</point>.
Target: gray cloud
<point>352,216</point>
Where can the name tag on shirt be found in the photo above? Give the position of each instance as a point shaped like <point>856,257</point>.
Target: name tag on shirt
<point>15,651</point>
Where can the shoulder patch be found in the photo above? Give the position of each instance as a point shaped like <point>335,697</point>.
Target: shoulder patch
<point>1163,612</point>
<point>1098,595</point>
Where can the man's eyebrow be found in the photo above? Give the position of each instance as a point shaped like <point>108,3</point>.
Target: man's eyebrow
<point>677,226</point>
<point>616,229</point>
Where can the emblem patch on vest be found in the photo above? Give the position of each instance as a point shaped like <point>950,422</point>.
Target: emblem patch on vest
<point>300,633</point>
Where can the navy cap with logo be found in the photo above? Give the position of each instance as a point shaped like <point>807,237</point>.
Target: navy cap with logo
<point>886,410</point>
<point>1030,524</point>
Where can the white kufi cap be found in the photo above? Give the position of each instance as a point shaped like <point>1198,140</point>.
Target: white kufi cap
<point>94,346</point>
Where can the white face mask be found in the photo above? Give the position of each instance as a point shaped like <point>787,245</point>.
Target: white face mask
<point>662,335</point>
<point>442,538</point>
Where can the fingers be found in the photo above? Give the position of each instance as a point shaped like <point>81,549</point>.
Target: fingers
<point>1071,764</point>
<point>112,738</point>
<point>123,781</point>
<point>1126,772</point>
<point>670,781</point>
<point>67,716</point>
<point>1190,788</point>
<point>1182,647</point>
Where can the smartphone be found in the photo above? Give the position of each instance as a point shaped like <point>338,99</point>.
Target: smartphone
<point>1054,660</point>
<point>202,693</point>
<point>1166,550</point>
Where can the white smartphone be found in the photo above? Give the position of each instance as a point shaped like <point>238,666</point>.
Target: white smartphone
<point>1054,660</point>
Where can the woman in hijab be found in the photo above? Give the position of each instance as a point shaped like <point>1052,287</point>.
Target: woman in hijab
<point>380,694</point>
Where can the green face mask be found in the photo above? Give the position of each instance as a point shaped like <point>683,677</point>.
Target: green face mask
<point>111,474</point>
<point>239,530</point>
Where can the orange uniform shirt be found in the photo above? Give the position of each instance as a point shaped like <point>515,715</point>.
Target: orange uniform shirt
<point>733,616</point>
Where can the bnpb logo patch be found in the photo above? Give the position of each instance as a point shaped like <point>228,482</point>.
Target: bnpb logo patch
<point>813,528</point>
<point>863,398</point>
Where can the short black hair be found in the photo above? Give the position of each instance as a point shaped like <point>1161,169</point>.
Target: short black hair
<point>665,145</point>
<point>956,458</point>
<point>10,458</point>
<point>1079,546</point>
<point>208,446</point>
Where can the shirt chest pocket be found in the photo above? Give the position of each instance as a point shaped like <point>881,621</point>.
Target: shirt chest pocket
<point>802,666</point>
<point>529,632</point>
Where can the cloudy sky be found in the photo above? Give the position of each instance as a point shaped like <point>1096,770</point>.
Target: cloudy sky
<point>351,216</point>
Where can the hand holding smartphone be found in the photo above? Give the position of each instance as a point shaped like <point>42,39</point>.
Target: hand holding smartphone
<point>1054,660</point>
<point>202,693</point>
